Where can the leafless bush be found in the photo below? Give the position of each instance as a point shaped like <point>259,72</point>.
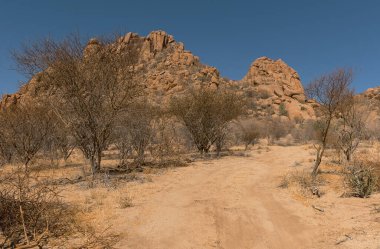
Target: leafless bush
<point>305,131</point>
<point>59,145</point>
<point>121,141</point>
<point>251,132</point>
<point>30,211</point>
<point>330,91</point>
<point>135,131</point>
<point>168,140</point>
<point>361,179</point>
<point>350,128</point>
<point>306,184</point>
<point>206,115</point>
<point>125,201</point>
<point>89,85</point>
<point>61,141</point>
<point>90,238</point>
<point>24,131</point>
<point>5,151</point>
<point>275,128</point>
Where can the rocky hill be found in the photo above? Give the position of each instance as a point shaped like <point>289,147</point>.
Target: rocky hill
<point>167,69</point>
<point>275,89</point>
<point>370,102</point>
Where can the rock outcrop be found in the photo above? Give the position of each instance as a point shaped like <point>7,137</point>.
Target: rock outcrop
<point>277,77</point>
<point>28,91</point>
<point>277,89</point>
<point>166,69</point>
<point>370,104</point>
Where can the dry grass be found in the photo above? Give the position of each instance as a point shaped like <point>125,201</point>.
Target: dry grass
<point>95,201</point>
<point>125,200</point>
<point>303,183</point>
<point>110,196</point>
<point>361,180</point>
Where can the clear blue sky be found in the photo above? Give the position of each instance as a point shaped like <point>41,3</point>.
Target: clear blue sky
<point>312,36</point>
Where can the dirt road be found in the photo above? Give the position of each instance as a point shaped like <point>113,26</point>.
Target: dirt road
<point>228,203</point>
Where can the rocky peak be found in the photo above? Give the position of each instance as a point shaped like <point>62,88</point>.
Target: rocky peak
<point>157,39</point>
<point>369,102</point>
<point>166,69</point>
<point>371,94</point>
<point>277,85</point>
<point>92,46</point>
<point>277,74</point>
<point>160,40</point>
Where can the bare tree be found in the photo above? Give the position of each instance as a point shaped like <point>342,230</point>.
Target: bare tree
<point>30,211</point>
<point>250,133</point>
<point>89,86</point>
<point>25,129</point>
<point>60,144</point>
<point>206,115</point>
<point>168,139</point>
<point>330,91</point>
<point>5,151</point>
<point>274,128</point>
<point>351,127</point>
<point>134,130</point>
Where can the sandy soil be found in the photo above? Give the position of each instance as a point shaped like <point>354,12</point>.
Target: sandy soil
<point>235,202</point>
<point>232,202</point>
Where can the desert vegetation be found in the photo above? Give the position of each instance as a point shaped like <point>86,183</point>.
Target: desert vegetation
<point>91,129</point>
<point>92,102</point>
<point>206,114</point>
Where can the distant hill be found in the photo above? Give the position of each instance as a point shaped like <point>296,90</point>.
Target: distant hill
<point>166,69</point>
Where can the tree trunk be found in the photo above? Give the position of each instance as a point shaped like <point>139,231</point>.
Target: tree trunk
<point>26,165</point>
<point>318,161</point>
<point>95,161</point>
<point>98,160</point>
<point>206,150</point>
<point>246,147</point>
<point>92,164</point>
<point>321,150</point>
<point>218,151</point>
<point>348,155</point>
<point>140,156</point>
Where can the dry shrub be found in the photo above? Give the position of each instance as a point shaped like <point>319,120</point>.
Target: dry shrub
<point>124,201</point>
<point>275,128</point>
<point>285,181</point>
<point>263,94</point>
<point>332,92</point>
<point>89,88</point>
<point>250,132</point>
<point>98,197</point>
<point>135,131</point>
<point>25,129</point>
<point>206,114</point>
<point>304,132</point>
<point>30,211</point>
<point>288,140</point>
<point>168,140</point>
<point>304,183</point>
<point>282,110</point>
<point>89,238</point>
<point>361,179</point>
<point>6,153</point>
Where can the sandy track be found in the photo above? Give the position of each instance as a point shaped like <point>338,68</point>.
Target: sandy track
<point>229,203</point>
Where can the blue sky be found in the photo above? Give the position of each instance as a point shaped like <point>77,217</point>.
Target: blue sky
<point>312,36</point>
